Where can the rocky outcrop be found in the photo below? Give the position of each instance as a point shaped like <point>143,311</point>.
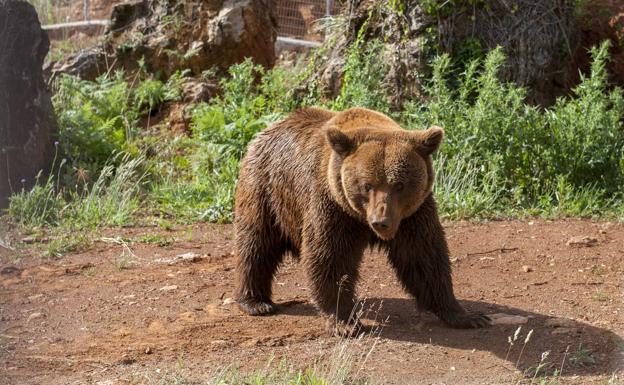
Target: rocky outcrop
<point>27,123</point>
<point>170,35</point>
<point>538,37</point>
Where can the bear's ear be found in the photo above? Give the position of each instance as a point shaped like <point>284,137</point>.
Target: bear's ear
<point>339,141</point>
<point>431,139</point>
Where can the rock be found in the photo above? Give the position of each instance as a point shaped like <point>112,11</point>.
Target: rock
<point>124,14</point>
<point>34,316</point>
<point>127,360</point>
<point>169,35</point>
<point>560,323</point>
<point>178,122</point>
<point>228,301</point>
<point>582,241</point>
<point>527,268</point>
<point>87,64</point>
<point>537,58</point>
<point>169,288</point>
<point>27,122</point>
<point>195,91</point>
<point>186,257</point>
<point>148,350</point>
<point>508,319</point>
<point>10,270</point>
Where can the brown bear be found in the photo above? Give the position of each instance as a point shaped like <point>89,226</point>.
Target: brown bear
<point>324,186</point>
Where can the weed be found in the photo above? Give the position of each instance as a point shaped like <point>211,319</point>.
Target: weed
<point>157,239</point>
<point>90,272</point>
<point>164,224</point>
<point>582,357</point>
<point>600,296</point>
<point>66,243</point>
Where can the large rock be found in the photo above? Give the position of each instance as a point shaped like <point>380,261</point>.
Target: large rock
<point>538,37</point>
<point>168,35</point>
<point>27,123</point>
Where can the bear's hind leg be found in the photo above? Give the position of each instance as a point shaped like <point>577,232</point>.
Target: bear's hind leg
<point>260,250</point>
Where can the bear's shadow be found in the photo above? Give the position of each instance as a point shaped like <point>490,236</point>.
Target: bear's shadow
<point>587,349</point>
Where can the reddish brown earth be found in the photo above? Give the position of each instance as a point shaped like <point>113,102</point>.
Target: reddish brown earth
<point>80,319</point>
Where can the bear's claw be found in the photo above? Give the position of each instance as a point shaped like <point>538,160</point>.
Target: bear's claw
<point>468,320</point>
<point>257,308</point>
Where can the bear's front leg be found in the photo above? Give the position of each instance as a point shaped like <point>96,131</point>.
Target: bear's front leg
<point>332,253</point>
<point>419,255</point>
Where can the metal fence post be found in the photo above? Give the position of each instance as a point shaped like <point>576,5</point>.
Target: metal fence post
<point>85,9</point>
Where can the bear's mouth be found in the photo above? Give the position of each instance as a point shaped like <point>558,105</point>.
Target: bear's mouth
<point>386,234</point>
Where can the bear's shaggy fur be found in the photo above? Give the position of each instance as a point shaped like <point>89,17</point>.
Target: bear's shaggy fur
<point>324,186</point>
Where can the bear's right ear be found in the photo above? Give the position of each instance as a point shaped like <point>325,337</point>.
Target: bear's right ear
<point>339,141</point>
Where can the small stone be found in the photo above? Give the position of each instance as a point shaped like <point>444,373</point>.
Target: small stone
<point>127,361</point>
<point>34,316</point>
<point>148,350</point>
<point>190,257</point>
<point>582,241</point>
<point>508,319</point>
<point>560,323</point>
<point>169,288</point>
<point>228,301</point>
<point>527,268</point>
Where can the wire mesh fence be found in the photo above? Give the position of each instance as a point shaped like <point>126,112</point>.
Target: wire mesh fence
<point>296,18</point>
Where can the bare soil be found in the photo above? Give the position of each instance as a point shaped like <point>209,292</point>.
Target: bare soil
<point>93,317</point>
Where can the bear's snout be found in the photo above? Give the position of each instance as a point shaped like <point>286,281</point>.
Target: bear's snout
<point>381,224</point>
<point>381,220</point>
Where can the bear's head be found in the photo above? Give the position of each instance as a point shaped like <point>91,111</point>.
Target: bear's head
<point>381,175</point>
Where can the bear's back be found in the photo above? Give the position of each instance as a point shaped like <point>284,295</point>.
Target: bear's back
<point>283,168</point>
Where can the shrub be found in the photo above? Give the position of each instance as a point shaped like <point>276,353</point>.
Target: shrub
<point>539,159</point>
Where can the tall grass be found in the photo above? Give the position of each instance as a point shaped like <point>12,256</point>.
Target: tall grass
<point>111,200</point>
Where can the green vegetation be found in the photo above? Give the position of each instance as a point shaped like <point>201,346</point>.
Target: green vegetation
<point>501,157</point>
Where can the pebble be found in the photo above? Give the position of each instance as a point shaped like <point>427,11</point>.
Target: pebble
<point>508,319</point>
<point>560,323</point>
<point>34,316</point>
<point>169,288</point>
<point>527,268</point>
<point>582,241</point>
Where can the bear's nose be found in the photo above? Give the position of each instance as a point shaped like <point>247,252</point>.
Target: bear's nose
<point>381,224</point>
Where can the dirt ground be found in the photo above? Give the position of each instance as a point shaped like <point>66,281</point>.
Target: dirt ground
<point>119,315</point>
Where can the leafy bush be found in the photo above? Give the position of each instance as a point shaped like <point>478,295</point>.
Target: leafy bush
<point>201,185</point>
<point>96,119</point>
<point>539,159</point>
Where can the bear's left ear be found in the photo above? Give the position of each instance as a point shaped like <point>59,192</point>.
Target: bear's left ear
<point>339,141</point>
<point>431,139</point>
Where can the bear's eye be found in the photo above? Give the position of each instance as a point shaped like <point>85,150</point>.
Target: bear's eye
<point>368,187</point>
<point>399,186</point>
